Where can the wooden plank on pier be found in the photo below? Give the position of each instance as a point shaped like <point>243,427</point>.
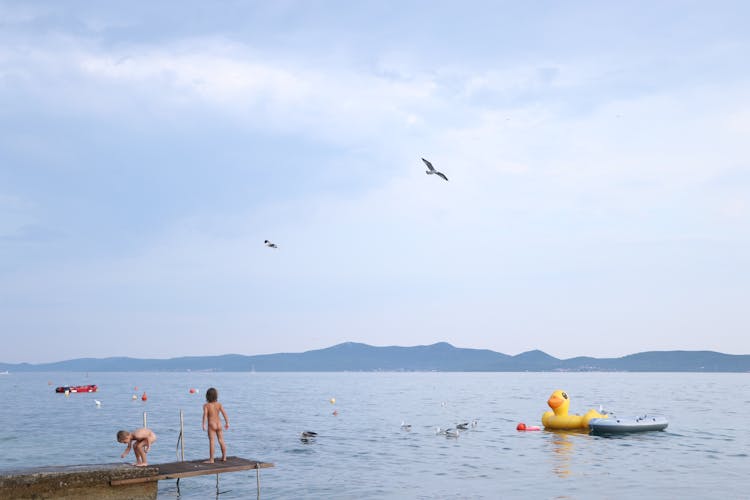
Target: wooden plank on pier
<point>176,470</point>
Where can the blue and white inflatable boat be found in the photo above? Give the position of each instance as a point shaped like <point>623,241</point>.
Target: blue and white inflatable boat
<point>621,425</point>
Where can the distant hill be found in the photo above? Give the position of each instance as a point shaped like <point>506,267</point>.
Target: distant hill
<point>444,357</point>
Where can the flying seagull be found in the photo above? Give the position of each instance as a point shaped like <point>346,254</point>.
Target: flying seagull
<point>270,245</point>
<point>432,170</point>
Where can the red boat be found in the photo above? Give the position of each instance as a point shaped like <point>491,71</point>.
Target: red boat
<point>76,388</point>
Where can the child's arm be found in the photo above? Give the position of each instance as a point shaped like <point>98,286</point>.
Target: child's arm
<point>205,416</point>
<point>127,450</point>
<point>226,419</point>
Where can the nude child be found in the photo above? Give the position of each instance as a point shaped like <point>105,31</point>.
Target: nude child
<point>140,440</point>
<point>211,411</point>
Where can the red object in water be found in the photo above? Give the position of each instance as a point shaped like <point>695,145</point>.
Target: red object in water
<point>76,388</point>
<point>524,427</point>
<point>144,397</point>
<point>192,391</point>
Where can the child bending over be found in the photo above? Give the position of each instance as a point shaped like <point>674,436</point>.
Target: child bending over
<point>143,439</point>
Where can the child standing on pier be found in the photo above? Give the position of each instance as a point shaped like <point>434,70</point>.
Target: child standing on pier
<point>143,439</point>
<point>211,411</point>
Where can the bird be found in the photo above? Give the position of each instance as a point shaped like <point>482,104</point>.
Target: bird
<point>431,170</point>
<point>308,436</point>
<point>270,245</point>
<point>98,403</point>
<point>463,426</point>
<point>447,432</point>
<point>405,427</point>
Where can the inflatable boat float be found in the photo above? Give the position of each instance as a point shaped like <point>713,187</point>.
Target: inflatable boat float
<point>622,425</point>
<point>76,388</point>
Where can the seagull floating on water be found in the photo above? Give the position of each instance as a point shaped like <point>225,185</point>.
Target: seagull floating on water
<point>308,436</point>
<point>462,426</point>
<point>405,426</point>
<point>451,432</point>
<point>98,403</point>
<point>431,170</point>
<point>270,245</point>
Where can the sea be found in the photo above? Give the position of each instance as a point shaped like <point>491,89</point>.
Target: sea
<point>361,450</point>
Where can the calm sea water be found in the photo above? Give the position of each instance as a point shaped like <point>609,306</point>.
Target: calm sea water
<point>362,452</point>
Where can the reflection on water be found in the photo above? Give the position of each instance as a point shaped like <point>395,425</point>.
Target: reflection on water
<point>562,450</point>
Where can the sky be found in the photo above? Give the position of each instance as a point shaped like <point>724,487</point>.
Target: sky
<point>598,159</point>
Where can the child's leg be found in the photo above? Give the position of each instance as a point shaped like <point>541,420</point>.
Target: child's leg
<point>211,434</point>
<point>140,451</point>
<point>137,452</point>
<point>220,435</point>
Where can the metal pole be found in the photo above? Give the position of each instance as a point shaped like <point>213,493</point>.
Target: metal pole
<point>257,478</point>
<point>182,437</point>
<point>144,420</point>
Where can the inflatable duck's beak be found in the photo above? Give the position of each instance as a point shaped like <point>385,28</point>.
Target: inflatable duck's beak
<point>554,402</point>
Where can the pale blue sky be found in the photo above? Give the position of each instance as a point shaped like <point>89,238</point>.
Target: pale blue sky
<point>598,202</point>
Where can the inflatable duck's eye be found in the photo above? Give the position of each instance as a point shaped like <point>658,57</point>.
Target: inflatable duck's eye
<point>564,395</point>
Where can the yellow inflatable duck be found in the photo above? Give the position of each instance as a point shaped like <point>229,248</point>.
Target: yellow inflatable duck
<point>558,418</point>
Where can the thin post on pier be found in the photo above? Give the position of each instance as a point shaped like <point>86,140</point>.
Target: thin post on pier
<point>182,438</point>
<point>145,424</point>
<point>257,477</point>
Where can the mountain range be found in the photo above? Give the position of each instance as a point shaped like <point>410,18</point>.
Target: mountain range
<point>443,357</point>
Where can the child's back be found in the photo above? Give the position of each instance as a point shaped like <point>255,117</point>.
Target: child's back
<point>211,411</point>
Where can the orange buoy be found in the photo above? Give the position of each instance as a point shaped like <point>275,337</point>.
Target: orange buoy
<point>144,397</point>
<point>524,427</point>
<point>192,391</point>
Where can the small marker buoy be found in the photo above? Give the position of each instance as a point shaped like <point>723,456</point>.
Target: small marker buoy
<point>135,397</point>
<point>335,413</point>
<point>144,397</point>
<point>332,400</point>
<point>193,390</point>
<point>524,427</point>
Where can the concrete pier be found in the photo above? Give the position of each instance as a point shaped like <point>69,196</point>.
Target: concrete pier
<point>79,481</point>
<point>111,481</point>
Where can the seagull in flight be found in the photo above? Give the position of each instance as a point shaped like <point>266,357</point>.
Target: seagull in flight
<point>270,245</point>
<point>432,170</point>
